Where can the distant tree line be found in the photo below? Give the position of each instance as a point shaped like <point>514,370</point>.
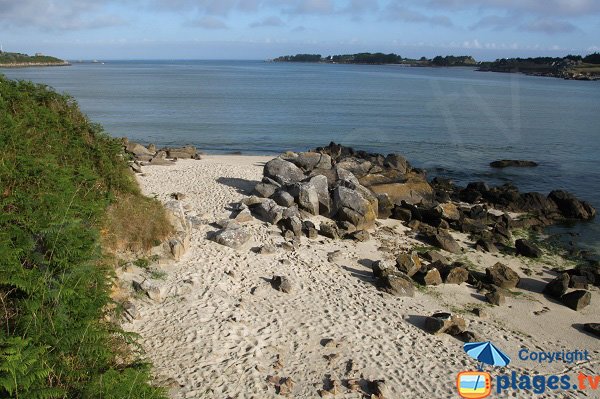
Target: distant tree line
<point>18,58</point>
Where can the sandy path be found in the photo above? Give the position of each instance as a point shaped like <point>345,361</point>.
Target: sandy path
<point>223,330</point>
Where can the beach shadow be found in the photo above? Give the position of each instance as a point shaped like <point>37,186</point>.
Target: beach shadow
<point>417,321</point>
<point>363,275</point>
<point>579,327</point>
<point>479,296</point>
<point>366,263</point>
<point>242,186</point>
<point>531,284</point>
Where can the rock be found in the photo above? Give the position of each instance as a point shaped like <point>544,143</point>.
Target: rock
<point>306,196</point>
<point>335,256</point>
<point>244,216</point>
<point>281,283</point>
<point>496,297</point>
<point>397,285</point>
<point>593,328</point>
<point>445,241</point>
<point>432,277</point>
<point>268,211</point>
<point>439,323</point>
<point>385,206</point>
<point>557,287</point>
<point>570,207</point>
<point>283,198</point>
<point>177,248</point>
<point>153,291</point>
<point>231,237</point>
<point>457,275</point>
<point>137,149</point>
<point>186,152</point>
<point>435,256</point>
<point>131,311</point>
<point>449,211</point>
<point>468,225</point>
<point>309,229</point>
<point>321,186</point>
<point>413,191</point>
<point>502,276</point>
<point>352,206</point>
<point>382,268</point>
<point>252,201</point>
<point>359,235</point>
<point>481,313</point>
<point>579,282</point>
<point>329,230</point>
<point>400,213</point>
<point>135,167</point>
<point>292,224</point>
<point>283,172</point>
<point>267,249</point>
<point>486,245</point>
<point>577,300</point>
<point>408,264</point>
<point>266,188</point>
<point>311,160</point>
<point>527,249</point>
<point>505,163</point>
<point>396,161</point>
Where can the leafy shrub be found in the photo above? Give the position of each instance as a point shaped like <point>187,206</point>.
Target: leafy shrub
<point>58,175</point>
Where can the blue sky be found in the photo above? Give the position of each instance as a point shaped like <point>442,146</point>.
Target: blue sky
<point>262,29</point>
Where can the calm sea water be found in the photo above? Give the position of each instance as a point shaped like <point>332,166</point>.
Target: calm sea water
<point>452,122</point>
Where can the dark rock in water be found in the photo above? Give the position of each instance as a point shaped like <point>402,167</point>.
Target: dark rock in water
<point>282,171</point>
<point>397,284</point>
<point>557,287</point>
<point>505,163</point>
<point>442,239</point>
<point>571,207</point>
<point>577,300</point>
<point>432,277</point>
<point>593,328</point>
<point>281,283</point>
<point>527,249</point>
<point>329,230</point>
<point>502,276</point>
<point>535,202</point>
<point>408,264</point>
<point>496,297</point>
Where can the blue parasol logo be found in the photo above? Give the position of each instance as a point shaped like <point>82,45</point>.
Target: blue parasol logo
<point>486,353</point>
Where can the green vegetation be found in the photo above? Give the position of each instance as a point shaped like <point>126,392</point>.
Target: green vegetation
<point>450,60</point>
<point>59,174</point>
<point>300,58</point>
<point>18,58</point>
<point>569,67</point>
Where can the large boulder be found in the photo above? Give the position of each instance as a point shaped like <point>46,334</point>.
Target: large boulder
<point>234,237</point>
<point>352,206</point>
<point>306,196</point>
<point>577,300</point>
<point>186,152</point>
<point>432,277</point>
<point>137,149</point>
<point>398,162</point>
<point>570,207</point>
<point>268,211</point>
<point>456,275</point>
<point>408,264</point>
<point>413,191</point>
<point>266,188</point>
<point>527,249</point>
<point>385,206</point>
<point>311,160</point>
<point>282,171</point>
<point>397,284</point>
<point>321,186</point>
<point>502,276</point>
<point>557,287</point>
<point>442,239</point>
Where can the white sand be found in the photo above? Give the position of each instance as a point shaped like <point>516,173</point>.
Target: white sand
<point>222,330</point>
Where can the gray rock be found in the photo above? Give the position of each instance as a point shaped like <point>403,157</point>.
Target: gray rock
<point>306,196</point>
<point>557,287</point>
<point>281,283</point>
<point>283,198</point>
<point>265,190</point>
<point>329,230</point>
<point>293,224</point>
<point>282,171</point>
<point>320,184</point>
<point>135,167</point>
<point>385,206</point>
<point>397,285</point>
<point>432,277</point>
<point>244,216</point>
<point>439,323</point>
<point>137,149</point>
<point>312,160</point>
<point>457,275</point>
<point>231,237</point>
<point>268,211</point>
<point>131,311</point>
<point>408,264</point>
<point>485,245</point>
<point>502,276</point>
<point>396,161</point>
<point>359,235</point>
<point>577,300</point>
<point>382,268</point>
<point>445,241</point>
<point>177,248</point>
<point>350,205</point>
<point>496,297</point>
<point>434,256</point>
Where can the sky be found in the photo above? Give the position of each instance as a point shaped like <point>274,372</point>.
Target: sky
<point>264,29</point>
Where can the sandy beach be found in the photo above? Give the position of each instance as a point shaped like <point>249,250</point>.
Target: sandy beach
<point>222,331</point>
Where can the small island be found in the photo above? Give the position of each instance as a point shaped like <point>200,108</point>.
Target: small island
<point>571,67</point>
<point>18,60</point>
<point>379,59</point>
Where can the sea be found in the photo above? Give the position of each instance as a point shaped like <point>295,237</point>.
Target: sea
<point>450,121</point>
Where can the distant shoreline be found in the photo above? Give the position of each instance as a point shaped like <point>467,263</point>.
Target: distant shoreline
<point>34,64</point>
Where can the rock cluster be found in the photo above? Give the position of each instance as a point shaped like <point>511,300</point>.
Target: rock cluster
<point>150,155</point>
<point>579,280</point>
